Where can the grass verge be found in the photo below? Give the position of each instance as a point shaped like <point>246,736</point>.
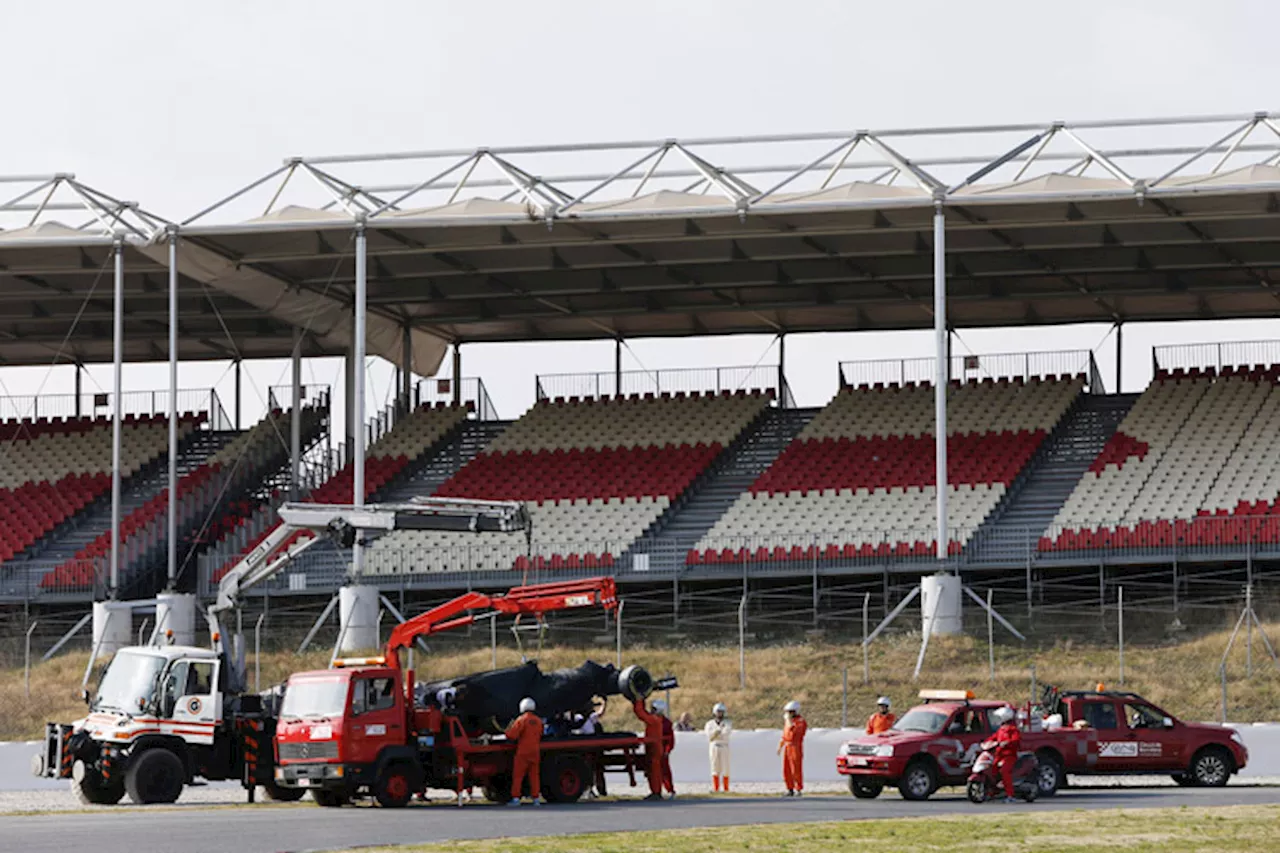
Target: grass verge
<point>1240,829</point>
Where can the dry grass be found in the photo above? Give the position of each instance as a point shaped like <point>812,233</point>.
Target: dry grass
<point>1240,829</point>
<point>1183,678</point>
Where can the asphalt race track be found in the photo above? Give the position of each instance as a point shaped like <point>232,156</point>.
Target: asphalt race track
<point>303,827</point>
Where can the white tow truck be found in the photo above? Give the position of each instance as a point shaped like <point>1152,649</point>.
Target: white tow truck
<point>164,716</point>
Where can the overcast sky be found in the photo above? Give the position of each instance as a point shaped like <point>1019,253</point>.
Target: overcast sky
<point>177,104</point>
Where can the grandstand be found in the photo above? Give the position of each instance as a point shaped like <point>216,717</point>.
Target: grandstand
<point>1029,464</point>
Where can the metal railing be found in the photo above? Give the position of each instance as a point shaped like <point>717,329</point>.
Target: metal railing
<point>1215,355</point>
<point>100,405</point>
<point>975,367</point>
<point>280,397</point>
<point>689,380</point>
<point>471,392</point>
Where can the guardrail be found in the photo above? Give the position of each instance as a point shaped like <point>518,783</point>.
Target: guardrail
<point>100,405</point>
<point>685,380</point>
<point>1215,355</point>
<point>1011,365</point>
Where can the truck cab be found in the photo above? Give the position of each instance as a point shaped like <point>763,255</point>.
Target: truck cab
<point>1136,736</point>
<point>346,729</point>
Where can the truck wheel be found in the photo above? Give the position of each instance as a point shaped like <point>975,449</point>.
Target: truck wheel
<point>566,779</point>
<point>1049,774</point>
<point>394,788</point>
<point>90,789</point>
<point>155,776</point>
<point>863,789</point>
<point>919,781</point>
<point>497,790</point>
<point>279,794</point>
<point>329,799</point>
<point>1211,767</point>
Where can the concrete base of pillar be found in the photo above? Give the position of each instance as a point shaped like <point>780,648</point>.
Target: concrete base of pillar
<point>176,612</point>
<point>358,618</point>
<point>940,597</point>
<point>112,627</point>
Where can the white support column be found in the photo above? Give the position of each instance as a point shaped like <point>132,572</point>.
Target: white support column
<point>358,356</point>
<point>406,369</point>
<point>173,408</point>
<point>117,372</point>
<point>295,418</point>
<point>940,379</point>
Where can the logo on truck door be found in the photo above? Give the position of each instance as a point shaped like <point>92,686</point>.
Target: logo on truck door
<point>1117,749</point>
<point>193,706</point>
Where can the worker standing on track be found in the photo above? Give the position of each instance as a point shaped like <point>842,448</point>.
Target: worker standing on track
<point>791,748</point>
<point>718,729</point>
<point>883,719</point>
<point>526,732</point>
<point>668,746</point>
<point>653,745</point>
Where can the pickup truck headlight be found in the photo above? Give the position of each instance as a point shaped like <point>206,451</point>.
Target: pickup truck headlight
<point>844,749</point>
<point>1235,736</point>
<point>884,750</point>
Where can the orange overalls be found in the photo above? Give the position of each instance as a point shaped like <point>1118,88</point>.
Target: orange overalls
<point>653,741</point>
<point>1008,742</point>
<point>668,744</point>
<point>878,723</point>
<point>526,733</point>
<point>792,744</point>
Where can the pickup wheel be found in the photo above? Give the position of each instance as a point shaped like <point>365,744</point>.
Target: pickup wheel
<point>155,776</point>
<point>1211,767</point>
<point>566,779</point>
<point>864,790</point>
<point>1183,780</point>
<point>394,786</point>
<point>1049,775</point>
<point>278,794</point>
<point>329,799</point>
<point>919,781</point>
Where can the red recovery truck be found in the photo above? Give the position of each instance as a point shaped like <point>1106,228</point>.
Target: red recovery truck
<point>356,729</point>
<point>934,745</point>
<point>1135,736</point>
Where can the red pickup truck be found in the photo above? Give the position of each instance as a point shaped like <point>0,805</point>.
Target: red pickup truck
<point>934,744</point>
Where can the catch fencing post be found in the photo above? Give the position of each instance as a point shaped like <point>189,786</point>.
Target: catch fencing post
<point>742,643</point>
<point>1120,627</point>
<point>844,698</point>
<point>257,653</point>
<point>493,640</point>
<point>866,654</point>
<point>27,666</point>
<point>991,639</point>
<point>617,620</point>
<point>1222,672</point>
<point>1033,684</point>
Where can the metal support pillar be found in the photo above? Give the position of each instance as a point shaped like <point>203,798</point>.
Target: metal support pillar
<point>943,363</point>
<point>782,368</point>
<point>617,367</point>
<point>173,409</point>
<point>349,395</point>
<point>457,373</point>
<point>117,391</point>
<point>239,423</point>
<point>295,419</point>
<point>1119,355</point>
<point>357,407</point>
<point>79,388</point>
<point>406,368</point>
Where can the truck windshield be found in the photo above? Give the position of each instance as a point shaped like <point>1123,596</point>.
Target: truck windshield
<point>130,677</point>
<point>921,720</point>
<point>315,697</point>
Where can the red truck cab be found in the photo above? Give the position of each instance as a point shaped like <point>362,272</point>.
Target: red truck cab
<point>935,744</point>
<point>1135,736</point>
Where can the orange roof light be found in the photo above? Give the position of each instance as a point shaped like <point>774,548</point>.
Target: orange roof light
<point>947,695</point>
<point>1101,688</point>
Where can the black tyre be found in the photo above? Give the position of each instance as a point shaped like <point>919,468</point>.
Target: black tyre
<point>919,781</point>
<point>330,799</point>
<point>976,792</point>
<point>92,791</point>
<point>394,786</point>
<point>1050,776</point>
<point>864,790</point>
<point>277,794</point>
<point>1183,780</point>
<point>565,779</point>
<point>155,776</point>
<point>1030,794</point>
<point>1211,767</point>
<point>498,790</point>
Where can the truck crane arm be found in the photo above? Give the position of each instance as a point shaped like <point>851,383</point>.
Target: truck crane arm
<point>536,599</point>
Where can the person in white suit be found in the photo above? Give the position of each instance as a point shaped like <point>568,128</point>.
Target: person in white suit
<point>718,729</point>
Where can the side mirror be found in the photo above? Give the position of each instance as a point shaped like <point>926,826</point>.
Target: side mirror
<point>84,696</point>
<point>1168,722</point>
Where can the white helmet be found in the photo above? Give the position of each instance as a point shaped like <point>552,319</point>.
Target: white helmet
<point>659,707</point>
<point>883,700</point>
<point>527,705</point>
<point>1002,715</point>
<point>719,708</point>
<point>793,706</point>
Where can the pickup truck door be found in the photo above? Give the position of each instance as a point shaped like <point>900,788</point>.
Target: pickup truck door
<point>1117,744</point>
<point>966,729</point>
<point>1159,748</point>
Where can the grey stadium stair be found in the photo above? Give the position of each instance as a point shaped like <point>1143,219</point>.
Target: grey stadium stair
<point>467,442</point>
